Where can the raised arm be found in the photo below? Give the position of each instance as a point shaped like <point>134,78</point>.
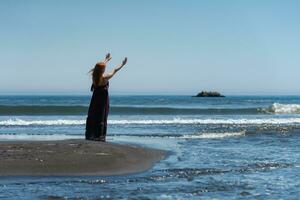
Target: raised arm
<point>114,71</point>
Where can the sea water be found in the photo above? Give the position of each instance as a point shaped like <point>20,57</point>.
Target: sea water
<point>237,147</point>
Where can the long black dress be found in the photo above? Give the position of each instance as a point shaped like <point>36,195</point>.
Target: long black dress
<point>96,123</point>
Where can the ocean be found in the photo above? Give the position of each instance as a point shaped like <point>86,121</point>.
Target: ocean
<point>237,147</point>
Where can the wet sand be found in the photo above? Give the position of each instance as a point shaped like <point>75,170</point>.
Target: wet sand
<point>74,158</point>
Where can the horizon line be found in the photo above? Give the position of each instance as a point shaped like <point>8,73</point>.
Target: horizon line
<point>144,94</point>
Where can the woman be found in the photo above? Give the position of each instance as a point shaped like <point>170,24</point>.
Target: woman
<point>96,123</point>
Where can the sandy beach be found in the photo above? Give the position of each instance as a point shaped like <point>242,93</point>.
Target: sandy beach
<point>74,158</point>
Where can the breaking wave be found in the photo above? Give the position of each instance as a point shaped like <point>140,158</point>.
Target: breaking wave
<point>66,122</point>
<point>278,108</point>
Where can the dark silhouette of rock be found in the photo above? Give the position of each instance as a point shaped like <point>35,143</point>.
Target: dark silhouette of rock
<point>209,94</point>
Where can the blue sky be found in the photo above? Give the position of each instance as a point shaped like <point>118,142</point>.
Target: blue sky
<point>173,47</point>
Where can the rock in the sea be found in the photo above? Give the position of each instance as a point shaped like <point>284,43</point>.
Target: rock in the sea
<point>209,94</point>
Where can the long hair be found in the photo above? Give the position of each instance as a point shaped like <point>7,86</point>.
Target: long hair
<point>97,73</point>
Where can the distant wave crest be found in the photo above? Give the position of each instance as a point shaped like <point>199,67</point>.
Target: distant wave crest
<point>275,108</point>
<point>126,110</point>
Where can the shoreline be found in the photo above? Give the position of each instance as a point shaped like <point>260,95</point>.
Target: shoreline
<point>76,157</point>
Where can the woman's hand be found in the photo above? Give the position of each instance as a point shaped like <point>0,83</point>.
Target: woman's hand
<point>114,71</point>
<point>107,58</point>
<point>124,62</point>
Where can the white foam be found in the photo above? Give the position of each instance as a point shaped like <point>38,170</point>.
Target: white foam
<point>9,137</point>
<point>20,122</point>
<point>214,135</point>
<point>60,122</point>
<point>285,108</point>
<point>41,137</point>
